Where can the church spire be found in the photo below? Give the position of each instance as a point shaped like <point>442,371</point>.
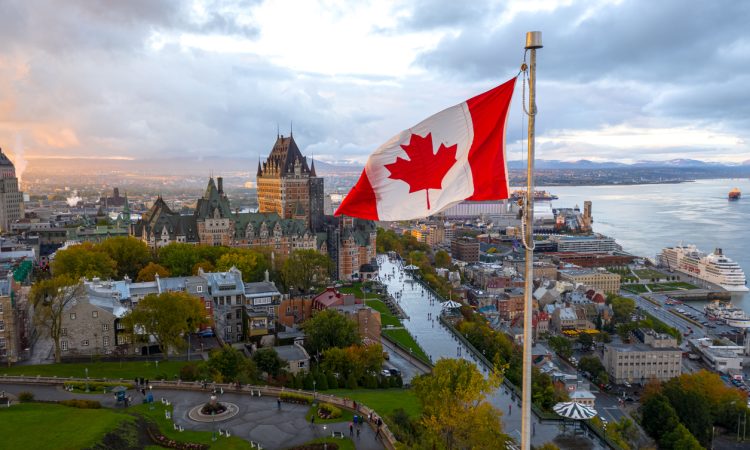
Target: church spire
<point>260,172</point>
<point>312,167</point>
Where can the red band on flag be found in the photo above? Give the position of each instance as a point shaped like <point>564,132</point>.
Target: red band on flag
<point>489,113</point>
<point>360,201</point>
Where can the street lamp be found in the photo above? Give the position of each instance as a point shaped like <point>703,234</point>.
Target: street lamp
<point>87,378</point>
<point>325,436</point>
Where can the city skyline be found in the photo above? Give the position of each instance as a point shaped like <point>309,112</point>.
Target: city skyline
<point>203,79</point>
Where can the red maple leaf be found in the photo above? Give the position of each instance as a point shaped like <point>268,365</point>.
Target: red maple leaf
<point>424,170</point>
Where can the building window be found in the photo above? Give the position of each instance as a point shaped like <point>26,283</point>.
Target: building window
<point>64,332</point>
<point>229,329</point>
<point>64,346</point>
<point>2,325</point>
<point>85,343</point>
<point>1,308</point>
<point>300,364</point>
<point>237,314</point>
<point>72,316</point>
<point>105,327</point>
<point>95,314</point>
<point>106,341</point>
<point>2,342</point>
<point>199,288</point>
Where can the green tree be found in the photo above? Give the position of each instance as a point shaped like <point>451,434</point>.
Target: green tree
<point>252,264</point>
<point>623,308</point>
<point>585,340</point>
<point>50,298</point>
<point>442,259</point>
<point>166,317</point>
<point>659,417</point>
<point>455,409</point>
<point>230,365</point>
<point>305,269</point>
<point>329,328</point>
<point>129,254</point>
<point>83,260</point>
<point>268,361</point>
<point>561,346</point>
<point>149,272</point>
<point>179,258</point>
<point>679,438</point>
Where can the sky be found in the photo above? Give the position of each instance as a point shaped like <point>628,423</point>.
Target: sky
<point>138,79</point>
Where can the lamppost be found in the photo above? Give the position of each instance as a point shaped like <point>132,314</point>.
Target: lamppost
<point>325,436</point>
<point>213,426</point>
<point>87,378</point>
<point>314,392</point>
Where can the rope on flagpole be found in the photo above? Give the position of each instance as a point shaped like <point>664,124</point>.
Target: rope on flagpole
<point>524,73</point>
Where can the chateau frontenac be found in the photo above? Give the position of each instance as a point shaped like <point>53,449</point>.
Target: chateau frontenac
<point>290,217</point>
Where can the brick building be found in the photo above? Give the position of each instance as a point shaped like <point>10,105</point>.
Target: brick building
<point>465,249</point>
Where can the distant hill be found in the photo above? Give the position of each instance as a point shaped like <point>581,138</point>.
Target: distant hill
<point>586,164</point>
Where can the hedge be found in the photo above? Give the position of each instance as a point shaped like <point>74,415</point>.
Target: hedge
<point>95,385</point>
<point>81,403</point>
<point>295,398</point>
<point>328,411</point>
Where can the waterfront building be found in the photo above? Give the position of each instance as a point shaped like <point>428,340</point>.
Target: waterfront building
<point>639,362</point>
<point>595,278</point>
<point>726,359</point>
<point>11,199</point>
<point>586,259</point>
<point>590,244</point>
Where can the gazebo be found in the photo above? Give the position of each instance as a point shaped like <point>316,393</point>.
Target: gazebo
<point>450,304</point>
<point>573,411</point>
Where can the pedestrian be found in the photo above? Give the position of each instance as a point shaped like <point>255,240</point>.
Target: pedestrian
<point>278,403</point>
<point>351,429</point>
<point>369,417</point>
<point>509,409</point>
<point>312,420</point>
<point>358,433</point>
<point>355,405</point>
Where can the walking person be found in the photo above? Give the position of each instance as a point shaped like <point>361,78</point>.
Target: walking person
<point>278,403</point>
<point>351,429</point>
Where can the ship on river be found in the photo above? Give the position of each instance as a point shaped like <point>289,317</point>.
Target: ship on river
<point>725,312</point>
<point>715,267</point>
<point>735,194</point>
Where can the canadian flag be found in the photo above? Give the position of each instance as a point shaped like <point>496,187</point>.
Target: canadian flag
<point>457,154</point>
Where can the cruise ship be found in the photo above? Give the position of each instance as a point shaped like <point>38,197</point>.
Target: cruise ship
<point>734,317</point>
<point>714,267</point>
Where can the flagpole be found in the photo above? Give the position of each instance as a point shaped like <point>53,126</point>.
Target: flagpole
<point>533,42</point>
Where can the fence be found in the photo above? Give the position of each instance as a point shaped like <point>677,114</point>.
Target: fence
<point>388,439</point>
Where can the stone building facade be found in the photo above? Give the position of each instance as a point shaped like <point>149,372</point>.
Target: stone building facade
<point>11,199</point>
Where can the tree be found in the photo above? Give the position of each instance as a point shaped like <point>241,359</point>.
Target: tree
<point>561,346</point>
<point>305,269</point>
<point>455,409</point>
<point>252,264</point>
<point>442,259</point>
<point>623,308</point>
<point>83,260</point>
<point>50,299</point>
<point>585,340</point>
<point>329,328</point>
<point>129,254</point>
<point>679,438</point>
<point>268,361</point>
<point>659,417</point>
<point>229,364</point>
<point>166,317</point>
<point>149,272</point>
<point>179,258</point>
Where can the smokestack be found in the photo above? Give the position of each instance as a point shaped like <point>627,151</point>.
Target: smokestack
<point>220,184</point>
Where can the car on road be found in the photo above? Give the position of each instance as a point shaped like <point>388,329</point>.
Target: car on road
<point>394,372</point>
<point>385,373</point>
<point>626,384</point>
<point>208,332</point>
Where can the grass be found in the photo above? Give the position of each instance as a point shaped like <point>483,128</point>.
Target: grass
<point>346,415</point>
<point>386,318</point>
<point>43,426</point>
<point>634,288</point>
<point>673,286</point>
<point>344,444</point>
<point>383,401</point>
<point>198,437</point>
<point>648,274</point>
<point>126,370</point>
<point>356,289</point>
<point>403,337</point>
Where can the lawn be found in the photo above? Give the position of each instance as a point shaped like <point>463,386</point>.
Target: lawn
<point>383,401</point>
<point>355,289</point>
<point>649,274</point>
<point>386,318</point>
<point>126,370</point>
<point>198,437</point>
<point>344,444</point>
<point>44,426</point>
<point>673,286</point>
<point>403,337</point>
<point>346,415</point>
<point>634,288</point>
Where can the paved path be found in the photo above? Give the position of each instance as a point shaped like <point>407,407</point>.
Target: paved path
<point>259,418</point>
<point>438,342</point>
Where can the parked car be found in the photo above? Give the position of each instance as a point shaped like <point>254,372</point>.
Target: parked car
<point>394,372</point>
<point>208,332</point>
<point>385,373</point>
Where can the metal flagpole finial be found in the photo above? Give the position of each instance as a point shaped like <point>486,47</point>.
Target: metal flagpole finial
<point>533,39</point>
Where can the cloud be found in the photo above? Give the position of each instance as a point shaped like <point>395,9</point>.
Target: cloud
<point>208,78</point>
